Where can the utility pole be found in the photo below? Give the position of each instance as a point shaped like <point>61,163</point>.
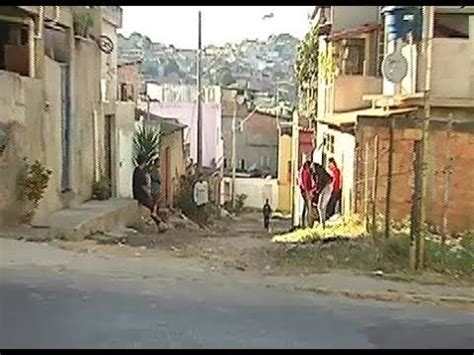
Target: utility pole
<point>234,153</point>
<point>199,98</point>
<point>428,49</point>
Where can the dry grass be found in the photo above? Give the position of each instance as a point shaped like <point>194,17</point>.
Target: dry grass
<point>351,228</point>
<point>345,247</point>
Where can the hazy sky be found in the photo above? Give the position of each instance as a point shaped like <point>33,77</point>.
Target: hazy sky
<point>177,25</point>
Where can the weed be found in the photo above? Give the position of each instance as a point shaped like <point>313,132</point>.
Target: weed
<point>32,185</point>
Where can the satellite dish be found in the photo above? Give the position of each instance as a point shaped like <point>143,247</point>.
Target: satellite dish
<point>394,67</point>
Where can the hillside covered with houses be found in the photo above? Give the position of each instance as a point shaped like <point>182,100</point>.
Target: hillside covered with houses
<point>252,64</point>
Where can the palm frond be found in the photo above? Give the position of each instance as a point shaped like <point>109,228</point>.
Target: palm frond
<point>146,142</point>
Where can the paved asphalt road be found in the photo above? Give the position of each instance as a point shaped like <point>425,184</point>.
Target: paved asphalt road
<point>44,309</point>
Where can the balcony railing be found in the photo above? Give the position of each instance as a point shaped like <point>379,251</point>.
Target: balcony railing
<point>349,89</point>
<point>452,68</point>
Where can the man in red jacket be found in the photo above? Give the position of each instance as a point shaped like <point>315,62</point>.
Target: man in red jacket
<point>335,201</point>
<point>306,186</point>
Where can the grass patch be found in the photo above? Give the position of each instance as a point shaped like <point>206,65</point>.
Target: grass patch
<point>363,254</point>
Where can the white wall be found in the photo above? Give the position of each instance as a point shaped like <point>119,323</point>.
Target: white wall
<point>125,122</point>
<point>256,189</point>
<point>344,154</point>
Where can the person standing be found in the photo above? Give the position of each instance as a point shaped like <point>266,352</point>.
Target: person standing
<point>334,204</point>
<point>201,198</point>
<point>323,191</point>
<point>141,188</point>
<point>155,187</point>
<point>267,213</point>
<point>305,182</point>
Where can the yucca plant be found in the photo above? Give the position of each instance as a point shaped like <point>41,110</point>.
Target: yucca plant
<point>146,142</point>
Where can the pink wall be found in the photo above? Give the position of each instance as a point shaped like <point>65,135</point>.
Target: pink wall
<point>186,113</point>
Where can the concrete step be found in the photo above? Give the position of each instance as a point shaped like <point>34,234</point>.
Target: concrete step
<point>79,222</point>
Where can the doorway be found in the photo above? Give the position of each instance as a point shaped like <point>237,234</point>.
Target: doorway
<point>108,149</point>
<point>65,129</point>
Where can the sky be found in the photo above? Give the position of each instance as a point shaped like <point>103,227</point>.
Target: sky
<point>177,25</point>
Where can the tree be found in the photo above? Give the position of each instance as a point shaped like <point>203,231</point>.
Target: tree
<point>306,70</point>
<point>171,67</point>
<point>225,77</point>
<point>150,68</point>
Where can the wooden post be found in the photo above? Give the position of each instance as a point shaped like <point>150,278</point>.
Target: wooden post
<point>428,20</point>
<point>447,179</point>
<point>415,228</point>
<point>388,196</point>
<point>366,186</point>
<point>375,186</point>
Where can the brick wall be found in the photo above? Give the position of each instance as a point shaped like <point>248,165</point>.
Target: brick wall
<point>129,74</point>
<point>460,212</point>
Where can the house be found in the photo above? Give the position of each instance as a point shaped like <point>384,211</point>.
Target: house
<point>128,80</point>
<point>349,68</point>
<point>397,120</point>
<point>57,103</point>
<point>256,135</point>
<point>172,154</point>
<point>179,101</point>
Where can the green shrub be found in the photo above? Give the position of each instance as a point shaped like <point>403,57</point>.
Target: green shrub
<point>102,189</point>
<point>32,185</point>
<point>185,196</point>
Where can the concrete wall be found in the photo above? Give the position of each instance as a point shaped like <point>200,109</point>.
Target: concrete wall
<point>88,121</point>
<point>129,74</point>
<point>344,154</point>
<point>284,173</point>
<point>125,126</point>
<point>258,139</point>
<point>32,110</point>
<point>185,113</point>
<point>109,64</point>
<point>174,142</point>
<point>461,185</point>
<point>455,54</point>
<point>13,93</point>
<point>349,89</point>
<point>257,190</point>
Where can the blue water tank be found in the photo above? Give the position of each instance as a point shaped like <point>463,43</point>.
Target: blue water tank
<point>401,20</point>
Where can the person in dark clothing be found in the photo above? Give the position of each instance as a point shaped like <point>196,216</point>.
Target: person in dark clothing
<point>323,191</point>
<point>267,213</point>
<point>140,187</point>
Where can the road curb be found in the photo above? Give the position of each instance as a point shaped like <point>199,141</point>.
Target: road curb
<point>394,296</point>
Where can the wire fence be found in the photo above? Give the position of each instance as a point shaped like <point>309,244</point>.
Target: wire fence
<point>390,170</point>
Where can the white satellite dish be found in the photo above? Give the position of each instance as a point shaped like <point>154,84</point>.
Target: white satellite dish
<point>394,67</point>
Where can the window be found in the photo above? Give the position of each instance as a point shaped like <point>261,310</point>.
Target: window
<point>354,56</point>
<point>242,164</point>
<point>451,26</point>
<point>330,143</point>
<point>14,53</point>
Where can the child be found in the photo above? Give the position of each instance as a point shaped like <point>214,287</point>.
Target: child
<point>267,211</point>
